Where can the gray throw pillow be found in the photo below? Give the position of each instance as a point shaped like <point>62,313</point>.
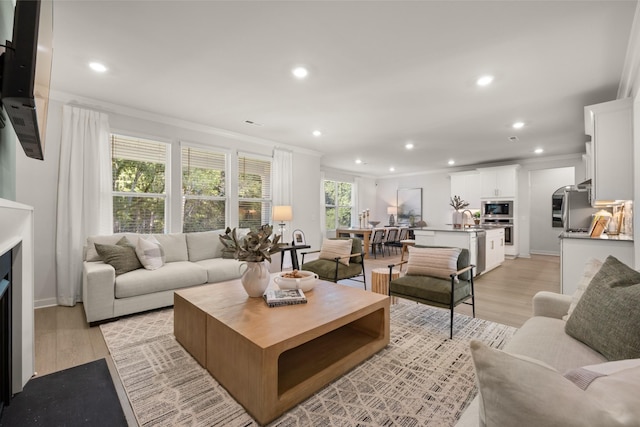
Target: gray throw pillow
<point>607,318</point>
<point>122,256</point>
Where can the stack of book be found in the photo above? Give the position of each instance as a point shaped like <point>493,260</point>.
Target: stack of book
<point>276,298</point>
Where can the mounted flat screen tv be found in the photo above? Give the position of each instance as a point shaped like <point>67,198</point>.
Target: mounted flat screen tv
<point>26,73</point>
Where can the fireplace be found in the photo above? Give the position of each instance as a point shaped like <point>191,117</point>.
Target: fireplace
<point>5,329</point>
<point>17,252</point>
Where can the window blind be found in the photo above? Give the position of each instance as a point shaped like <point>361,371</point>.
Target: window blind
<point>203,172</point>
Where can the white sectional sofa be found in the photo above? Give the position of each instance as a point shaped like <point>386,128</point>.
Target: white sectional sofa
<point>192,259</point>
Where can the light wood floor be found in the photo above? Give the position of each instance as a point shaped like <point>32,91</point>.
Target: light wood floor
<point>64,339</point>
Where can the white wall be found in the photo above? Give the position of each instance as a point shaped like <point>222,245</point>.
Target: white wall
<point>542,184</point>
<point>36,181</point>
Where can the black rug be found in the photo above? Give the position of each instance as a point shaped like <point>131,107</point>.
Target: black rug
<point>82,395</point>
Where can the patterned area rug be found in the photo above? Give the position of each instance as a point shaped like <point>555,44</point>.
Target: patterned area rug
<point>421,378</point>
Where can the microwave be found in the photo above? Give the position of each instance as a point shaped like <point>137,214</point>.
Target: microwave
<point>498,209</point>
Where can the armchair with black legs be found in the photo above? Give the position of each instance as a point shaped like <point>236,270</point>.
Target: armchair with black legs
<point>340,259</point>
<point>437,276</point>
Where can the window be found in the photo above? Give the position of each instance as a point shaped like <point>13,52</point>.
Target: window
<point>139,175</point>
<point>338,204</point>
<point>203,190</point>
<point>254,191</point>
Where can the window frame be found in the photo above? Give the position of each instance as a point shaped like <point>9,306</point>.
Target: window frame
<point>337,206</point>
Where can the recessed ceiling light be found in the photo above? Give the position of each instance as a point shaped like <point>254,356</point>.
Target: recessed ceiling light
<point>451,162</point>
<point>392,169</point>
<point>408,146</point>
<point>484,80</point>
<point>96,66</point>
<point>317,133</point>
<point>358,161</point>
<point>538,151</point>
<point>300,72</point>
<point>518,125</point>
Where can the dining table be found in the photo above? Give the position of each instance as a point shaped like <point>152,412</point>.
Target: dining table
<point>351,231</point>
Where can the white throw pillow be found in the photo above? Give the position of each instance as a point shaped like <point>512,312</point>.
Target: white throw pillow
<point>517,390</point>
<point>436,262</point>
<point>150,252</point>
<point>590,269</point>
<point>339,248</point>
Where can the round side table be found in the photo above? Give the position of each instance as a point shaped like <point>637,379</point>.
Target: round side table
<point>380,281</point>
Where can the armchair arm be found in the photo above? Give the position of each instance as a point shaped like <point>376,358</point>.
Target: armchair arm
<point>459,272</point>
<point>551,304</point>
<point>308,252</point>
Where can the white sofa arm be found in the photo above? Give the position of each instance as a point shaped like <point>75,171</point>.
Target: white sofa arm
<point>98,290</point>
<point>551,304</point>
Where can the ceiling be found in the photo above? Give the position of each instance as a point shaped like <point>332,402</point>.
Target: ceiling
<point>381,73</point>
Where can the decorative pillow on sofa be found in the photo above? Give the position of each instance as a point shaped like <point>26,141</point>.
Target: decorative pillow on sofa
<point>334,248</point>
<point>607,318</point>
<point>150,252</point>
<point>122,256</point>
<point>517,390</point>
<point>591,267</point>
<point>436,262</point>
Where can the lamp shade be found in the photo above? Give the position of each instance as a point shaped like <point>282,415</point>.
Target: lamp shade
<point>282,213</point>
<point>392,210</point>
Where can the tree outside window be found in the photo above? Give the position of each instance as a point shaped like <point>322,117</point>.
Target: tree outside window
<point>203,190</point>
<point>254,191</point>
<point>139,195</point>
<point>338,204</point>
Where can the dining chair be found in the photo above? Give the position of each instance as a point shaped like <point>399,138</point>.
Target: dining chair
<point>390,238</point>
<point>376,242</point>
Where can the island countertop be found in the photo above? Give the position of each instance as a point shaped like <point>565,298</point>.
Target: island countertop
<point>458,230</point>
<point>604,236</point>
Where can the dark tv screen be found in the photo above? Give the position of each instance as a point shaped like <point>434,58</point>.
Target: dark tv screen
<point>26,73</point>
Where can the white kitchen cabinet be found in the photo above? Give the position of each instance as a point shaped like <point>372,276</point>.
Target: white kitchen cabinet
<point>499,182</point>
<point>575,252</point>
<point>610,126</point>
<point>467,186</point>
<point>494,248</point>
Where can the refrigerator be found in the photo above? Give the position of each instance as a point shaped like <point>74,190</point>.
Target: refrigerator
<point>577,210</point>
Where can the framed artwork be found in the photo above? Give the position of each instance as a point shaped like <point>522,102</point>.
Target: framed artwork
<point>298,238</point>
<point>409,205</point>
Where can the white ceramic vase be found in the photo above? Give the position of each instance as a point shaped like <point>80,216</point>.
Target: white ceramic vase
<point>457,219</point>
<point>255,278</point>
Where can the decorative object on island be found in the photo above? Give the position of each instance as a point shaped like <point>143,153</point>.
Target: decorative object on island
<point>409,206</point>
<point>254,249</point>
<point>476,217</point>
<point>458,218</point>
<point>282,214</point>
<point>391,211</point>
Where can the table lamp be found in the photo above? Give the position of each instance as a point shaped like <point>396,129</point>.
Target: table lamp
<point>282,214</point>
<point>391,211</point>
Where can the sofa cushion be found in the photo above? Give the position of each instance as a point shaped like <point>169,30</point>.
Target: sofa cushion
<point>172,275</point>
<point>150,252</point>
<point>204,245</point>
<point>91,254</point>
<point>175,246</point>
<point>220,270</point>
<point>591,267</point>
<point>544,339</point>
<point>336,248</point>
<point>607,317</point>
<point>121,256</point>
<point>517,390</point>
<point>436,262</point>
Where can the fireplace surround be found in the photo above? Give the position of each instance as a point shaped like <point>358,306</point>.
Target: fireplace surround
<point>16,239</point>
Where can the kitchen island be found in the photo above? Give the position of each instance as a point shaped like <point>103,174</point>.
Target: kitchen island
<point>485,244</point>
<point>577,248</point>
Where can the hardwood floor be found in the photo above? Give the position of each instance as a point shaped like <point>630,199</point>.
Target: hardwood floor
<point>64,339</point>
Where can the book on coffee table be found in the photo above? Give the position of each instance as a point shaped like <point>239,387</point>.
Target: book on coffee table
<point>275,298</point>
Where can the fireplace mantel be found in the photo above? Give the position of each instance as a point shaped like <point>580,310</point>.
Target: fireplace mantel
<point>16,232</point>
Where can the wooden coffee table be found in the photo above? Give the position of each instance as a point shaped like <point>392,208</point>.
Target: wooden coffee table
<point>270,359</point>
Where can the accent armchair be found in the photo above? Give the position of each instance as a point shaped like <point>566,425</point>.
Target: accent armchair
<point>336,268</point>
<point>436,276</point>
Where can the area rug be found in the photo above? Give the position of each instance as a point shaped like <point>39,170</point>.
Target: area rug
<point>421,378</point>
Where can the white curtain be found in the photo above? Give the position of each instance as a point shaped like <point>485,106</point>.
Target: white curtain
<point>323,214</point>
<point>282,177</point>
<point>357,189</point>
<point>84,195</point>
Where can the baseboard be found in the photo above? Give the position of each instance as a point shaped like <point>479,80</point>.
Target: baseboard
<point>47,302</point>
<point>548,253</point>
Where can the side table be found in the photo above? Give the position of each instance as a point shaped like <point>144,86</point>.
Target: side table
<point>380,281</point>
